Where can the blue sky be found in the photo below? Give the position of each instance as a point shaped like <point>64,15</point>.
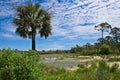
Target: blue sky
<point>72,22</point>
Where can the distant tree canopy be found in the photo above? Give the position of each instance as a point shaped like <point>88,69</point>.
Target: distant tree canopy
<point>103,27</point>
<point>30,20</point>
<point>104,45</point>
<point>115,33</point>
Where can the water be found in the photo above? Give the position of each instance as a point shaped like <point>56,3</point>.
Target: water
<point>61,62</point>
<point>51,59</point>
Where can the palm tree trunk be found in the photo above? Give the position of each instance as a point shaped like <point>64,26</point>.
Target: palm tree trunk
<point>33,43</point>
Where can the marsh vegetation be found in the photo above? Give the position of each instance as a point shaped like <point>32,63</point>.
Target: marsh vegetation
<point>17,65</point>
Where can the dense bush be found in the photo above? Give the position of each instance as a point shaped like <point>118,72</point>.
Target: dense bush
<point>88,52</point>
<point>76,49</point>
<point>19,65</point>
<point>104,49</point>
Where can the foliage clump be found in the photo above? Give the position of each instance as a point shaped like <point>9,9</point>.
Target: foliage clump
<point>104,49</point>
<point>19,65</point>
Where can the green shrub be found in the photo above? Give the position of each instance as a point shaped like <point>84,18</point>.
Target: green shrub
<point>93,66</point>
<point>114,67</point>
<point>104,49</point>
<point>19,65</point>
<point>102,72</point>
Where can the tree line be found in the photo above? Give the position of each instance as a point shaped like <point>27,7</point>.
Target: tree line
<point>104,45</point>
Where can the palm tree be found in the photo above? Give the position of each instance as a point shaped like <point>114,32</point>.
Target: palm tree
<point>103,27</point>
<point>30,20</point>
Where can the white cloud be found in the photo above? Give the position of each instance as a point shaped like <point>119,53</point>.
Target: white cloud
<point>53,47</point>
<point>11,29</point>
<point>84,30</point>
<point>6,35</point>
<point>6,9</point>
<point>11,36</point>
<point>68,17</point>
<point>7,26</point>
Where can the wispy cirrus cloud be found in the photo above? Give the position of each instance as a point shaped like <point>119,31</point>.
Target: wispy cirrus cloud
<point>70,15</point>
<point>8,26</point>
<point>9,36</point>
<point>6,35</point>
<point>81,17</point>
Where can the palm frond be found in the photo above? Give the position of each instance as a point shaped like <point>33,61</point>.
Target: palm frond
<point>45,30</point>
<point>32,18</point>
<point>22,32</point>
